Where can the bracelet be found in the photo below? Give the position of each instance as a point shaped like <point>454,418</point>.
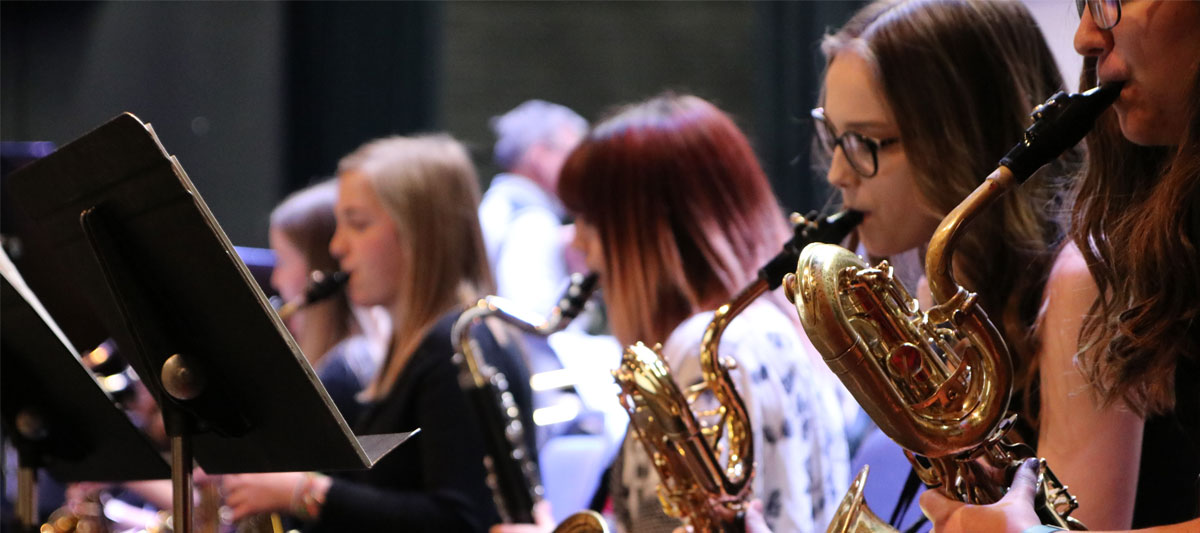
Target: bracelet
<point>306,503</point>
<point>1042,528</point>
<point>313,501</point>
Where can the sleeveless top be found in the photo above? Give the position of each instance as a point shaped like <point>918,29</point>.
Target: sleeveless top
<point>1168,489</point>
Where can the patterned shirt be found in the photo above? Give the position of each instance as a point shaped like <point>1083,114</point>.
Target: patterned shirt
<point>801,456</point>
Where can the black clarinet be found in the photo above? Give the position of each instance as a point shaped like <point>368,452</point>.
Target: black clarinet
<point>512,474</point>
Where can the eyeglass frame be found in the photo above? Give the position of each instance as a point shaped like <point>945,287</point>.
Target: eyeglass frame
<point>873,145</point>
<point>1095,7</point>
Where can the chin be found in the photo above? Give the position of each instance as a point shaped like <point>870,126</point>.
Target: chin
<point>874,250</point>
<point>1146,132</point>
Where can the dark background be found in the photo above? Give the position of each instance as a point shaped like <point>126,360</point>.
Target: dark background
<point>259,98</point>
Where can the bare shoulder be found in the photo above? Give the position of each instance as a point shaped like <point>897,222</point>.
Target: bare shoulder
<point>1068,298</point>
<point>1070,287</point>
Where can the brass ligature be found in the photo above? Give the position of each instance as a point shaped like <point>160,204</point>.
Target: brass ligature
<point>694,483</point>
<point>512,474</point>
<point>937,382</point>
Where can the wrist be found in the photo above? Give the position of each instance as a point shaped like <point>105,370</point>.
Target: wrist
<point>309,495</point>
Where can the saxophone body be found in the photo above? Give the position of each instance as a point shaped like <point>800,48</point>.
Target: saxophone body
<point>699,438</point>
<point>512,474</point>
<point>937,382</point>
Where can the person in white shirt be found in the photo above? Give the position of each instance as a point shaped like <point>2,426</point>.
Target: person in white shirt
<point>521,216</point>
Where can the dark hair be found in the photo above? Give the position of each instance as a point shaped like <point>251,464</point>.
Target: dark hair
<point>1136,220</point>
<point>682,208</point>
<point>960,77</point>
<point>305,218</point>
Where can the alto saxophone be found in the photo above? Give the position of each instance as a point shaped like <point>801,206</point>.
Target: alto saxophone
<point>512,474</point>
<point>694,484</point>
<point>937,382</point>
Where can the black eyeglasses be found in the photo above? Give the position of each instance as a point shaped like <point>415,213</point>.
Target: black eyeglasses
<point>1106,13</point>
<point>861,152</point>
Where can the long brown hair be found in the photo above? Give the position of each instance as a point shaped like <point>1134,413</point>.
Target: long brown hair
<point>429,188</point>
<point>305,218</point>
<point>1136,220</point>
<point>961,77</point>
<point>683,210</point>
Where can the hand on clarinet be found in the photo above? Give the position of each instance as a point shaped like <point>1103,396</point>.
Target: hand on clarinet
<point>543,521</point>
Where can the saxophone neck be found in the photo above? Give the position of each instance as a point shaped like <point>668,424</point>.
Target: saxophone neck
<point>939,259</point>
<point>570,305</point>
<point>464,345</point>
<point>1058,124</point>
<point>710,359</point>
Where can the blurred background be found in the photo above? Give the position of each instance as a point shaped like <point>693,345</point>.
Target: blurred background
<point>260,98</point>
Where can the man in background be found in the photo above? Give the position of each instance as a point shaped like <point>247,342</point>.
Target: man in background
<point>521,215</point>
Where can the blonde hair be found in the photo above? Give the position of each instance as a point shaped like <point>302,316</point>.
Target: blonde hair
<point>430,190</point>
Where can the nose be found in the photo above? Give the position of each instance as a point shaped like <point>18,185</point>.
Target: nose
<point>276,274</point>
<point>578,239</point>
<point>1090,40</point>
<point>337,245</point>
<point>841,174</point>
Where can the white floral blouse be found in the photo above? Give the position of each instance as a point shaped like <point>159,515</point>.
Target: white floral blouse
<point>801,455</point>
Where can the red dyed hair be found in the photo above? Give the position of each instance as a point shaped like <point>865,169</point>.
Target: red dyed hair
<point>683,210</point>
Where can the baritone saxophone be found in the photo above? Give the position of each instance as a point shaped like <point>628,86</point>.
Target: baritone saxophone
<point>937,382</point>
<point>512,474</point>
<point>705,470</point>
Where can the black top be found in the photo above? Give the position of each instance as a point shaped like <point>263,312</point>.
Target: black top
<point>1168,489</point>
<point>434,482</point>
<point>339,379</point>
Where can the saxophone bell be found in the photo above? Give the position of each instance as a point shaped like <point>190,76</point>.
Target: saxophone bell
<point>853,515</point>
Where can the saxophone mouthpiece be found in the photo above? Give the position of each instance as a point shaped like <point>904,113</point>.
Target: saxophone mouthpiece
<point>1058,124</point>
<point>832,229</point>
<point>322,285</point>
<point>837,226</point>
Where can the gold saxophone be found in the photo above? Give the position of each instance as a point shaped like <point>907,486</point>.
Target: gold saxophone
<point>513,476</point>
<point>937,382</point>
<point>702,482</point>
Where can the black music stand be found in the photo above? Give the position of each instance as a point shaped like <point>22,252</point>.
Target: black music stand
<point>57,415</point>
<point>123,218</point>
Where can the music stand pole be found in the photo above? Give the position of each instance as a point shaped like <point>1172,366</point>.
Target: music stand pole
<point>183,380</point>
<point>181,482</point>
<point>56,415</point>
